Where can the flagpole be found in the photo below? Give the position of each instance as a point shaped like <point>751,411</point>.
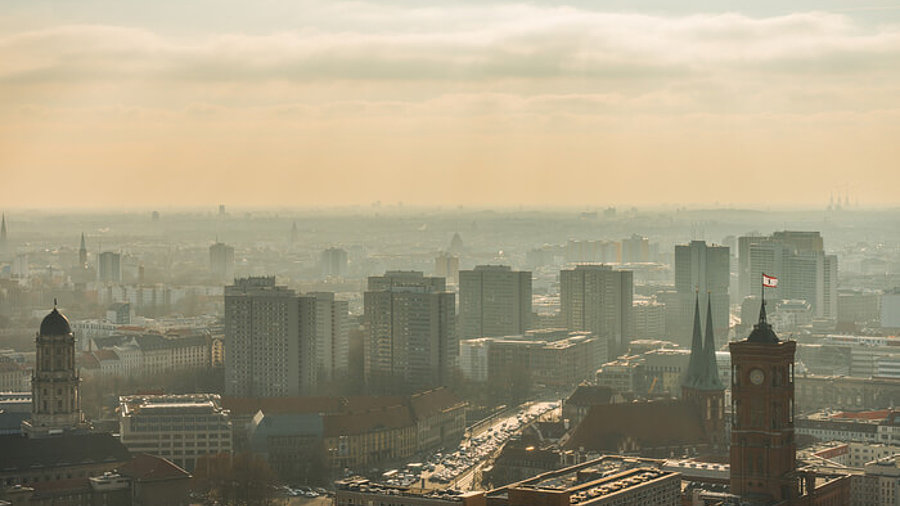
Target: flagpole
<point>762,290</point>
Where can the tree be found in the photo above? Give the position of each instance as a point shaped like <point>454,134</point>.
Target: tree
<point>236,480</point>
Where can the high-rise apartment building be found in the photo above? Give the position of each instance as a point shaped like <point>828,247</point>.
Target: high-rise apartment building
<point>494,301</point>
<point>799,262</point>
<point>270,333</point>
<point>635,249</point>
<point>334,262</point>
<point>332,335</point>
<point>411,341</point>
<point>110,268</point>
<point>705,269</point>
<point>598,299</point>
<point>221,262</point>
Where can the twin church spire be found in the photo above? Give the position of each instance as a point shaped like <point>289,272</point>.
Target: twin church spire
<point>703,373</point>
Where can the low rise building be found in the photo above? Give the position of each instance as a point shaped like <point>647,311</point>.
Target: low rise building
<point>608,480</point>
<point>147,354</point>
<point>551,357</point>
<point>623,375</point>
<point>666,368</point>
<point>347,432</point>
<point>360,491</point>
<point>180,428</point>
<point>815,392</point>
<point>14,375</point>
<point>577,405</point>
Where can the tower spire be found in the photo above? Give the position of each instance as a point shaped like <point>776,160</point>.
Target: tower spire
<point>82,252</point>
<point>695,366</point>
<point>711,380</point>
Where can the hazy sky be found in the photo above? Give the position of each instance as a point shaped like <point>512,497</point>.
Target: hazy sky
<point>432,102</point>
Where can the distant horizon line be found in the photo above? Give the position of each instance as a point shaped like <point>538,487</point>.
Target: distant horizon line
<point>213,209</point>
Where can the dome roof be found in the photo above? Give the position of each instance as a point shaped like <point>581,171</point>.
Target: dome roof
<point>55,324</point>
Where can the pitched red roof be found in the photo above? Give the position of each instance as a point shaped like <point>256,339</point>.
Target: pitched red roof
<point>648,424</point>
<point>349,424</point>
<point>106,355</point>
<point>296,405</point>
<point>431,402</point>
<point>87,360</point>
<point>44,488</point>
<point>146,467</point>
<point>880,414</point>
<point>590,395</point>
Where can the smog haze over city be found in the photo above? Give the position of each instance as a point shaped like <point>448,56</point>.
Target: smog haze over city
<point>449,253</point>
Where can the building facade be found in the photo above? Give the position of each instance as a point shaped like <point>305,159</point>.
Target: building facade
<point>799,262</point>
<point>411,342</point>
<point>598,299</point>
<point>494,301</point>
<point>270,335</point>
<point>180,428</point>
<point>221,262</point>
<point>332,336</point>
<point>705,269</point>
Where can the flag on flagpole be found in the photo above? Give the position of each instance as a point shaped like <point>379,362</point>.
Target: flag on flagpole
<point>769,281</point>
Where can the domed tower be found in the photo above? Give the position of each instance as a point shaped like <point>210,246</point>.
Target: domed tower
<point>55,406</point>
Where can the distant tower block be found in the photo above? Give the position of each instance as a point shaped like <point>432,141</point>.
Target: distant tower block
<point>82,253</point>
<point>456,244</point>
<point>3,241</point>
<point>221,209</point>
<point>295,234</point>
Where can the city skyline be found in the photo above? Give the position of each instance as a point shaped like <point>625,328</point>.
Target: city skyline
<point>349,103</point>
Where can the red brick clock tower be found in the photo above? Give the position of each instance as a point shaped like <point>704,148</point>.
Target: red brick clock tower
<point>763,449</point>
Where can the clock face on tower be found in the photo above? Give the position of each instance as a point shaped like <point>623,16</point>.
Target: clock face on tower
<point>757,376</point>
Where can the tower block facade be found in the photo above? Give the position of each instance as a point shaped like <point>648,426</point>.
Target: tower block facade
<point>56,408</point>
<point>763,448</point>
<point>701,386</point>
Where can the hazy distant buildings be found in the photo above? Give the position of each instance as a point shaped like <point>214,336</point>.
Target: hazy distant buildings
<point>456,245</point>
<point>221,262</point>
<point>446,266</point>
<point>332,336</point>
<point>803,269</point>
<point>705,269</point>
<point>334,262</point>
<point>110,268</point>
<point>649,319</point>
<point>890,309</point>
<point>593,251</point>
<point>411,340</point>
<point>4,241</point>
<point>295,234</point>
<point>635,249</point>
<point>82,254</point>
<point>270,333</point>
<point>494,301</point>
<point>598,299</point>
<point>119,313</point>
